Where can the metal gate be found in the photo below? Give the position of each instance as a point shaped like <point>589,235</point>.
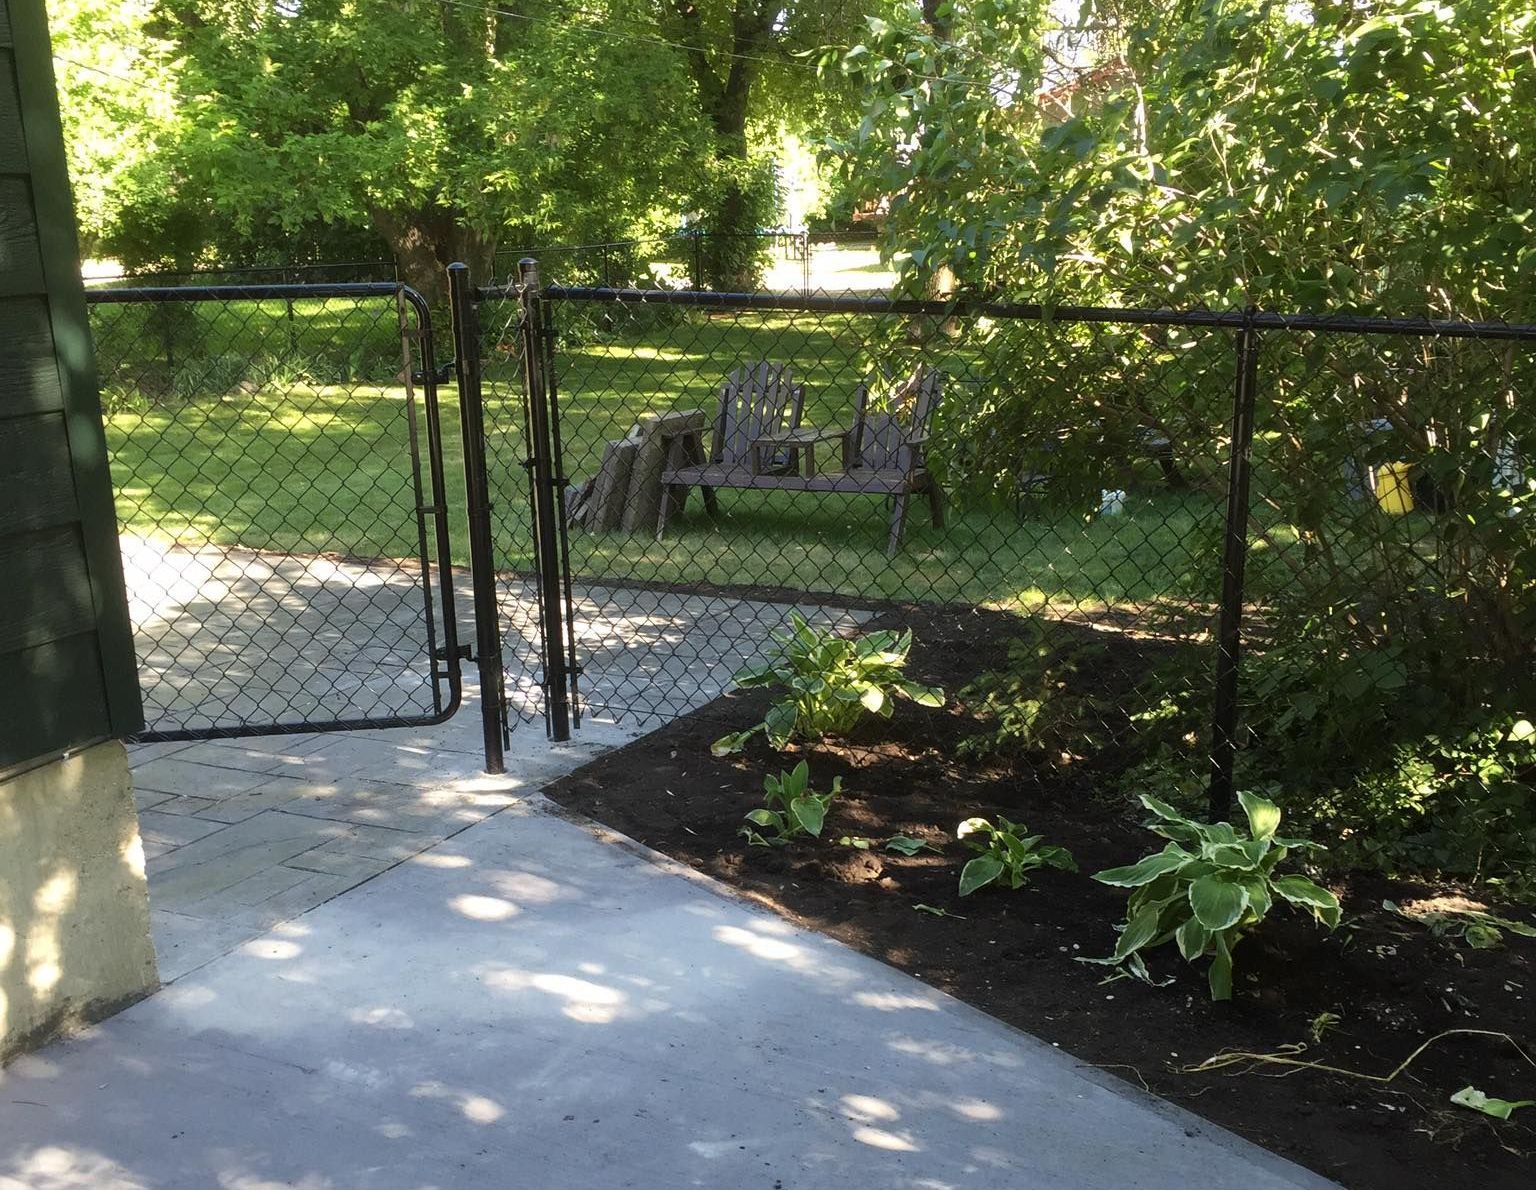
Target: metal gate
<point>277,451</point>
<point>525,639</point>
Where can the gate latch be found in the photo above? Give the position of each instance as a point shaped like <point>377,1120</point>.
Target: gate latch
<point>443,375</point>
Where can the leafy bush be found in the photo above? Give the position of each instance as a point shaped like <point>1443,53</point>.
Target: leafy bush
<point>1006,854</point>
<point>1208,898</point>
<point>1030,704</point>
<point>791,808</point>
<point>830,683</point>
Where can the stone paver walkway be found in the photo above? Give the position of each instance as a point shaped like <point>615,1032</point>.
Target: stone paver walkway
<point>240,835</point>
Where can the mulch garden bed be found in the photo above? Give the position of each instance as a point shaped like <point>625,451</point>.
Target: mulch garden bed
<point>1390,984</point>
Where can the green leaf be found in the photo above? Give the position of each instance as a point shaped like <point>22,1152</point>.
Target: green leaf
<point>1220,975</point>
<point>973,826</point>
<point>1263,816</point>
<point>1234,856</point>
<point>1145,870</point>
<point>924,696</point>
<point>755,675</point>
<point>873,699</point>
<point>1499,1109</point>
<point>907,845</point>
<point>1140,930</point>
<point>980,872</point>
<point>766,818</point>
<point>780,723</point>
<point>810,812</point>
<point>1217,903</point>
<point>1298,890</point>
<point>1481,936</point>
<point>728,744</point>
<point>1193,938</point>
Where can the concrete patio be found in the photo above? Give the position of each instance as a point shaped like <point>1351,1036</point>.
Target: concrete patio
<point>386,969</point>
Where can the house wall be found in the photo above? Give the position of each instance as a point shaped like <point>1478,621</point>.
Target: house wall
<point>74,913</point>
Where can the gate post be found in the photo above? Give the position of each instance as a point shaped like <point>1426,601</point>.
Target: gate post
<point>1234,561</point>
<point>466,360</point>
<point>546,482</point>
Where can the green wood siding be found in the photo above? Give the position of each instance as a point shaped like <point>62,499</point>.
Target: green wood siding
<point>67,674</point>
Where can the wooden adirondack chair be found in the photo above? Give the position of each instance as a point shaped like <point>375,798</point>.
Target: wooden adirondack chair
<point>756,401</point>
<point>885,452</point>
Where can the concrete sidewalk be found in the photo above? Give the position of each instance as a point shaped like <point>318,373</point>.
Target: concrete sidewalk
<point>528,1003</point>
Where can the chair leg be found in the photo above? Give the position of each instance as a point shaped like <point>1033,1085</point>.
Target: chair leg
<point>898,524</point>
<point>711,505</point>
<point>936,502</point>
<point>665,512</point>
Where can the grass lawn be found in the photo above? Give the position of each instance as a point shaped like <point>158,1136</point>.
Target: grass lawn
<point>283,461</point>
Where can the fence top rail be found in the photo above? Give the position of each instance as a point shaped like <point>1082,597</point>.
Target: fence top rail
<point>1131,316</point>
<point>250,293</point>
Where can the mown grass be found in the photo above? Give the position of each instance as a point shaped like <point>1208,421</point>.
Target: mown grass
<point>288,462</point>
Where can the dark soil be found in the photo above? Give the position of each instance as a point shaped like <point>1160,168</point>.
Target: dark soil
<point>1389,983</point>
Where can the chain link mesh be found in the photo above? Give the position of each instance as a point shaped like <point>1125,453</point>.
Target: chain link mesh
<point>276,476</point>
<point>1073,468</point>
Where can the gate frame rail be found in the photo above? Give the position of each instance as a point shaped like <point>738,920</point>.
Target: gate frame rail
<point>446,657</point>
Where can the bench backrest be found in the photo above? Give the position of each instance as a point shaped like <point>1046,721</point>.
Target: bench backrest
<point>879,436</point>
<point>756,399</point>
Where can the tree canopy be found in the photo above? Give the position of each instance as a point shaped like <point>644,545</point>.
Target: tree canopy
<point>1370,155</point>
<point>265,131</point>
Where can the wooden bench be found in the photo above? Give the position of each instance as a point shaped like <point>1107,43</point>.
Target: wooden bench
<point>756,400</point>
<point>882,453</point>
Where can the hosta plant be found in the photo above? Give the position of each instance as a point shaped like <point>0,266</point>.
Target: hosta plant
<point>791,808</point>
<point>1208,887</point>
<point>1006,854</point>
<point>829,683</point>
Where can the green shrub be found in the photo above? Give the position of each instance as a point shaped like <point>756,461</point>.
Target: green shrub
<point>791,809</point>
<point>1006,854</point>
<point>1208,898</point>
<point>830,682</point>
<point>1032,705</point>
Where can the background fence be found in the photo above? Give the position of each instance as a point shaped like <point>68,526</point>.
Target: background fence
<point>1355,494</point>
<point>679,260</point>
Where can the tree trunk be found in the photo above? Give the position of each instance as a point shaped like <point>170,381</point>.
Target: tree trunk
<point>730,256</point>
<point>425,243</point>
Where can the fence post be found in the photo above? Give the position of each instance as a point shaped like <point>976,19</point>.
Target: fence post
<point>1234,561</point>
<point>698,258</point>
<point>466,360</point>
<point>547,502</point>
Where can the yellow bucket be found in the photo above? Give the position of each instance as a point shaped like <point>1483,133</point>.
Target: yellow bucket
<point>1393,495</point>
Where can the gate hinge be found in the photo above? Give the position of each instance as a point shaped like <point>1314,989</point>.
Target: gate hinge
<point>442,654</point>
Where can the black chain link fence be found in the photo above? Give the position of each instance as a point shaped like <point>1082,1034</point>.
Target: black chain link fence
<point>282,505</point>
<point>728,458</point>
<point>1175,552</point>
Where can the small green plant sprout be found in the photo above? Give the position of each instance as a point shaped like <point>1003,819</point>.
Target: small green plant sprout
<point>830,682</point>
<point>1208,888</point>
<point>900,844</point>
<point>1446,918</point>
<point>1499,1109</point>
<point>791,809</point>
<point>935,911</point>
<point>1005,853</point>
<point>1323,1024</point>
